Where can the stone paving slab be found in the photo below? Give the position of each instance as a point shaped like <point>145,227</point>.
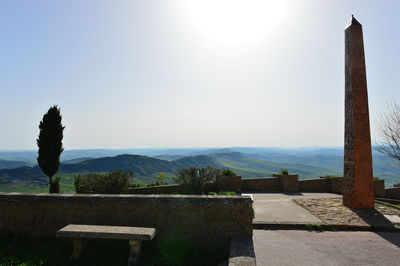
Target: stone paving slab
<point>101,231</point>
<point>279,208</point>
<point>294,247</point>
<point>394,219</point>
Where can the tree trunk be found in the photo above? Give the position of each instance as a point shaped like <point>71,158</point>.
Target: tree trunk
<point>51,184</point>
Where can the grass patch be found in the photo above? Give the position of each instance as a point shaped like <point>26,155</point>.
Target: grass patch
<point>167,250</point>
<point>314,227</point>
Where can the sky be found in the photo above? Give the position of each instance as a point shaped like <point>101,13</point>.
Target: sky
<point>181,73</point>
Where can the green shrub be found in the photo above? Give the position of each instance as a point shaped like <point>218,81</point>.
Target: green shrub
<point>197,178</point>
<point>162,179</point>
<point>222,193</point>
<point>376,178</point>
<point>55,185</point>
<point>115,182</point>
<point>314,227</point>
<point>284,171</point>
<point>228,172</point>
<point>133,185</point>
<point>227,193</point>
<point>154,184</point>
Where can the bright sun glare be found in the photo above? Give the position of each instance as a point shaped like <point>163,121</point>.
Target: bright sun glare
<point>234,23</point>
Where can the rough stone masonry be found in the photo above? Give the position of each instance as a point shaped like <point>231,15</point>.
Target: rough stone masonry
<point>358,190</point>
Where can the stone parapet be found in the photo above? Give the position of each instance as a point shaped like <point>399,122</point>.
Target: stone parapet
<point>164,189</point>
<point>289,183</point>
<point>379,188</point>
<point>392,193</point>
<point>229,183</point>
<point>313,185</point>
<point>335,184</point>
<point>261,184</point>
<point>204,218</point>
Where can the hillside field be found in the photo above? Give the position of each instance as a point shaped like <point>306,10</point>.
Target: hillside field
<point>247,162</point>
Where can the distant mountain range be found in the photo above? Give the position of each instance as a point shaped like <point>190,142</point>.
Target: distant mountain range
<point>248,162</point>
<point>144,167</point>
<point>4,164</point>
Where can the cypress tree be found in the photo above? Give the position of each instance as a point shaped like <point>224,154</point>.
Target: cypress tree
<point>50,146</point>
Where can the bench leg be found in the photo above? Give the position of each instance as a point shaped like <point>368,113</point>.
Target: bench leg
<point>135,251</point>
<point>77,248</point>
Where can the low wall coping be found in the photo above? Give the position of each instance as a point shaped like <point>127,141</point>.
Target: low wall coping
<point>158,186</point>
<point>392,188</point>
<point>260,178</point>
<point>311,179</point>
<point>122,197</point>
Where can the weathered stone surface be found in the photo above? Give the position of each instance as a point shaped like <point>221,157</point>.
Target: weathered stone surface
<point>394,219</point>
<point>289,183</point>
<point>214,219</point>
<point>229,183</point>
<point>392,193</point>
<point>379,188</point>
<point>313,185</point>
<point>261,184</point>
<point>358,190</point>
<point>332,211</point>
<point>170,189</point>
<point>103,231</point>
<point>242,252</point>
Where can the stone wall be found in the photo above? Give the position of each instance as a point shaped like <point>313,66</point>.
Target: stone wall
<point>323,184</point>
<point>261,184</point>
<point>335,184</point>
<point>392,193</point>
<point>313,185</point>
<point>229,183</point>
<point>165,189</point>
<point>222,183</point>
<point>379,188</point>
<point>289,182</point>
<point>205,218</point>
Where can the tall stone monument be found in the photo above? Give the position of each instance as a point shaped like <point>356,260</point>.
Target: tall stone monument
<point>358,190</point>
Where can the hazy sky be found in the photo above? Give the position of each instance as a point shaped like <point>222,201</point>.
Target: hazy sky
<point>130,74</point>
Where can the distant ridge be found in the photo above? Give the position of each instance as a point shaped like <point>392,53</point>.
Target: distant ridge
<point>141,165</point>
<point>5,164</point>
<point>249,163</point>
<point>77,160</point>
<point>144,167</point>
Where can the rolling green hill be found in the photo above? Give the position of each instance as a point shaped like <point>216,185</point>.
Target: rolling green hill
<point>249,163</point>
<point>5,164</point>
<point>145,169</point>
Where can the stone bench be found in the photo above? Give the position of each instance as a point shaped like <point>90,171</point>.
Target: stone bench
<point>77,232</point>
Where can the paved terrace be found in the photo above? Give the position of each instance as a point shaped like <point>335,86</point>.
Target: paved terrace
<point>301,247</point>
<point>280,208</point>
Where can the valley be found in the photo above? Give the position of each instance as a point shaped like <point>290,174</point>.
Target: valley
<point>247,162</point>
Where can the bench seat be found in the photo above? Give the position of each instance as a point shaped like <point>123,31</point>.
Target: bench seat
<point>104,231</point>
<point>78,232</point>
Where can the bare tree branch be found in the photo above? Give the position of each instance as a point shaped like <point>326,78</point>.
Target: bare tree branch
<point>389,131</point>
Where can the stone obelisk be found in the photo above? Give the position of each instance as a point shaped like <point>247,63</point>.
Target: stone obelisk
<point>358,187</point>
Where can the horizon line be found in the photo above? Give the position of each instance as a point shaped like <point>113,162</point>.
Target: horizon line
<point>186,147</point>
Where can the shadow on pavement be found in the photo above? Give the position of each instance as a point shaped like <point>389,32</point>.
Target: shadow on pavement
<point>374,218</point>
<point>392,237</point>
